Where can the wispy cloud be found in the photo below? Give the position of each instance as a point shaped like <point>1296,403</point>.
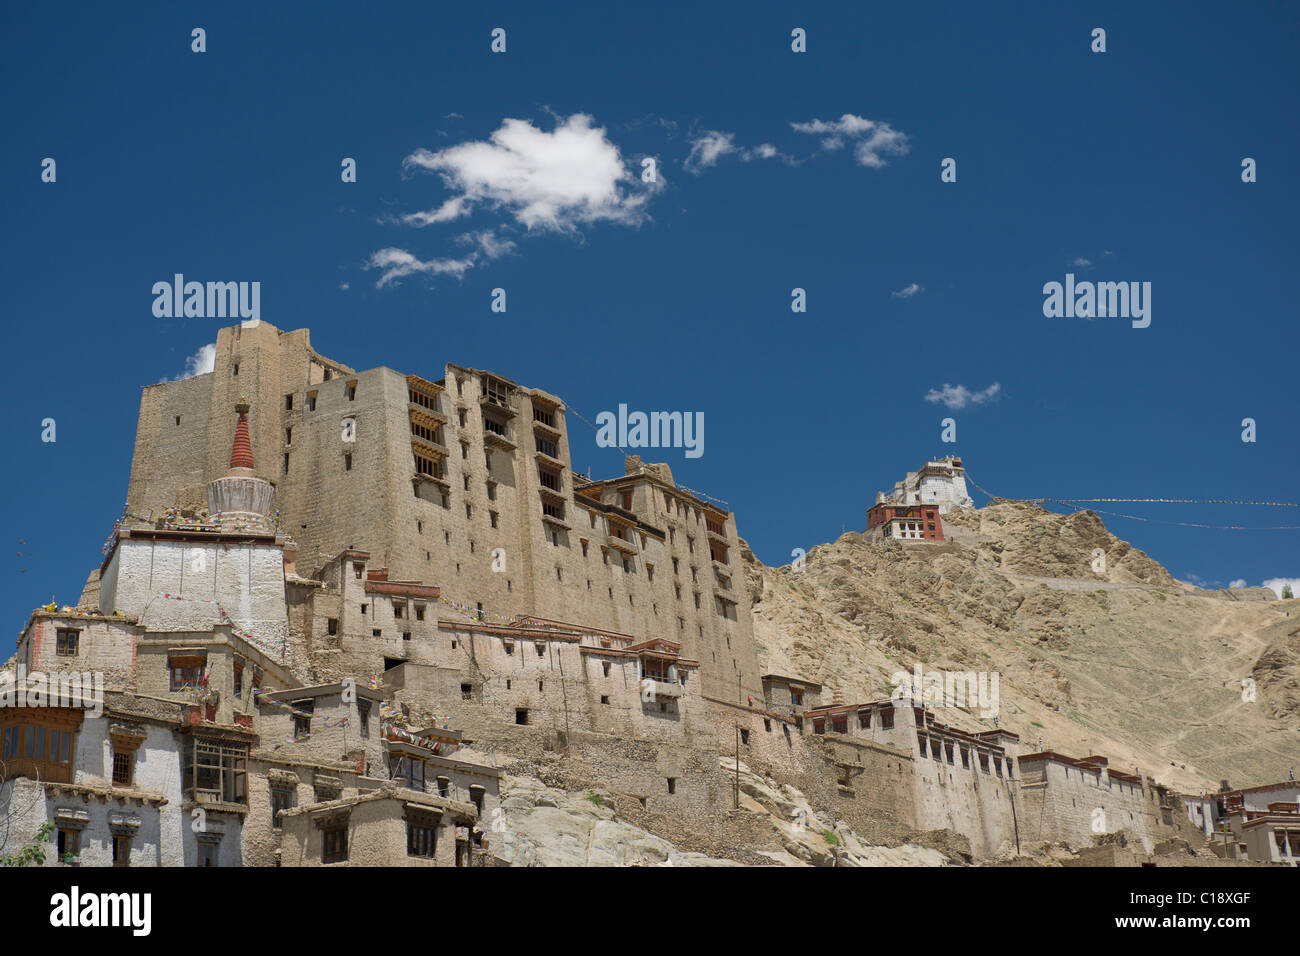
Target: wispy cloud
<point>398,263</point>
<point>871,141</point>
<point>959,396</point>
<point>200,363</point>
<point>488,242</point>
<point>711,146</point>
<point>908,291</point>
<point>1238,583</point>
<point>1083,262</point>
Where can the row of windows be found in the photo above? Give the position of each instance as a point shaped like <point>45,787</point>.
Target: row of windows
<point>421,839</point>
<point>310,398</point>
<point>68,848</point>
<point>33,742</point>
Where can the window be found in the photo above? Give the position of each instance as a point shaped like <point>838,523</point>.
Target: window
<point>430,466</point>
<point>521,716</point>
<point>334,841</point>
<point>178,419</point>
<point>409,771</point>
<point>234,369</point>
<point>363,717</point>
<point>421,834</point>
<point>744,737</point>
<point>122,767</point>
<point>288,402</point>
<point>547,448</point>
<point>302,714</point>
<point>887,718</point>
<point>121,850</point>
<point>207,854</point>
<point>69,844</point>
<point>286,463</point>
<point>311,401</point>
<point>239,677</point>
<point>604,698</point>
<point>347,461</point>
<point>186,672</point>
<point>466,691</point>
<point>493,516</point>
<point>351,391</point>
<point>67,641</point>
<point>283,797</point>
<point>672,784</point>
<point>332,625</point>
<point>604,666</point>
<point>215,771</point>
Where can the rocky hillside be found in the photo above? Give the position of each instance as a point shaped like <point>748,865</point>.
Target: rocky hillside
<point>1126,662</point>
<point>543,825</point>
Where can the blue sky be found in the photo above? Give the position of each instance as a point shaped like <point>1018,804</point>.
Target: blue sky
<point>225,165</point>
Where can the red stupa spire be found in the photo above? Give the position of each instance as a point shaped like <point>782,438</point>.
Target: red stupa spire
<point>241,455</point>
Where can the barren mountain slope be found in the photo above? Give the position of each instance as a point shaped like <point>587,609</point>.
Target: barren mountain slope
<point>1128,663</point>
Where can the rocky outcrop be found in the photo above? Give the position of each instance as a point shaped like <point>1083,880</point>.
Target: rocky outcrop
<point>1124,661</point>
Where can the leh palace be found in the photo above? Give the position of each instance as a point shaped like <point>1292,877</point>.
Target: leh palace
<point>377,618</point>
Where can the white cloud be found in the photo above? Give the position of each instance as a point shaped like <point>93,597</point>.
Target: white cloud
<point>397,263</point>
<point>1238,583</point>
<point>959,396</point>
<point>1080,262</point>
<point>908,291</point>
<point>200,363</point>
<point>871,140</point>
<point>548,181</point>
<point>708,148</point>
<point>1276,584</point>
<point>488,243</point>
